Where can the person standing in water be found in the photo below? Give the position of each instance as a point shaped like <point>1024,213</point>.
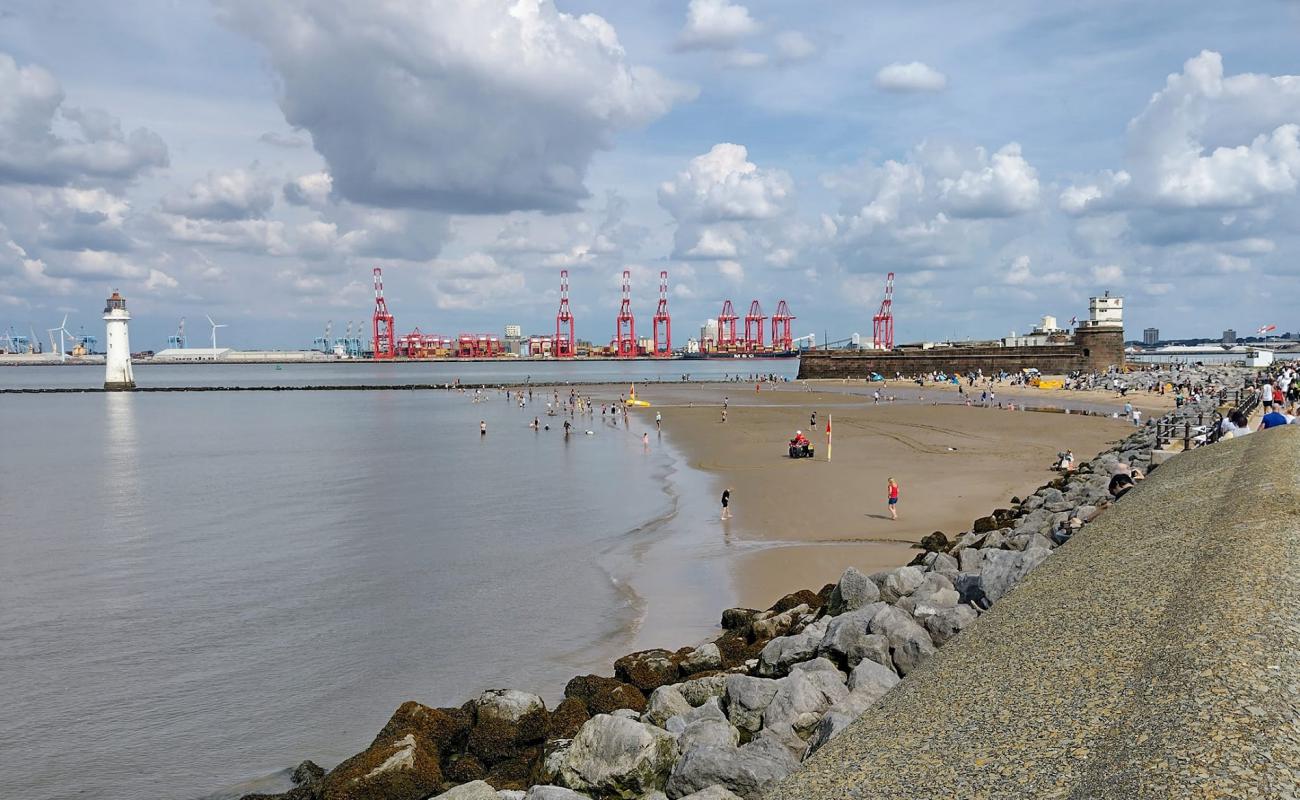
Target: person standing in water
<point>482,427</point>
<point>659,421</point>
<point>645,442</point>
<point>726,503</point>
<point>893,499</point>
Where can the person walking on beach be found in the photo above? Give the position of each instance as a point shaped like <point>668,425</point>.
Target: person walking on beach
<point>893,499</point>
<point>659,421</point>
<point>645,442</point>
<point>812,422</point>
<point>726,503</point>
<point>482,427</point>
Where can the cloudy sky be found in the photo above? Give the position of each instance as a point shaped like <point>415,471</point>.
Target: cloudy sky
<point>254,161</point>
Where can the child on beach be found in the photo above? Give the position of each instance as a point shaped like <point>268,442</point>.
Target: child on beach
<point>893,499</point>
<point>726,503</point>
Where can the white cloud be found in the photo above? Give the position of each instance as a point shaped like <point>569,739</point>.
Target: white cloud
<point>723,184</point>
<point>1007,185</point>
<point>1107,274</point>
<point>732,271</point>
<point>312,189</point>
<point>712,243</point>
<point>474,107</point>
<point>746,59</point>
<point>229,195</point>
<point>715,24</point>
<point>913,76</point>
<point>792,46</point>
<point>474,281</point>
<point>160,281</point>
<point>31,107</point>
<point>1018,273</point>
<point>1094,196</point>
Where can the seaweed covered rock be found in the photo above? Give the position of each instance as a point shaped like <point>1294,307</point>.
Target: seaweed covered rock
<point>647,670</point>
<point>602,695</point>
<point>396,768</point>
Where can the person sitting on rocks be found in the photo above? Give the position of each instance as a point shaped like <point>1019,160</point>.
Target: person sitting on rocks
<point>1066,464</point>
<point>1123,468</point>
<point>1120,485</point>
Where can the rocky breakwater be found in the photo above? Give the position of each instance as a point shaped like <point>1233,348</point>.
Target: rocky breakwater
<point>732,717</point>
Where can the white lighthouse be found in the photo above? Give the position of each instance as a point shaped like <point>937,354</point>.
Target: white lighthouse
<point>117,364</point>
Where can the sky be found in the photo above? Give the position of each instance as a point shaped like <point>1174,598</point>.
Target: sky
<point>254,161</point>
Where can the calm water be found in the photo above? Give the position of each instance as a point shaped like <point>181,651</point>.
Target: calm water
<point>200,589</point>
<point>370,372</point>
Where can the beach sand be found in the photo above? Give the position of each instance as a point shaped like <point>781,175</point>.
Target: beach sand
<point>800,523</point>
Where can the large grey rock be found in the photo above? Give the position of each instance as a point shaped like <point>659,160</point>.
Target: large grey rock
<point>848,638</point>
<point>802,698</point>
<point>768,625</point>
<point>853,591</point>
<point>940,562</point>
<point>872,676</point>
<point>948,622</point>
<point>713,793</point>
<point>553,793</point>
<point>800,703</point>
<point>618,757</point>
<point>778,655</point>
<point>710,733</point>
<point>828,727</point>
<point>554,754</point>
<point>474,790</point>
<point>746,771</point>
<point>746,699</point>
<point>1003,569</point>
<point>900,583</point>
<point>697,691</point>
<point>909,643</point>
<point>702,659</point>
<point>664,702</point>
<point>936,593</point>
<point>507,705</point>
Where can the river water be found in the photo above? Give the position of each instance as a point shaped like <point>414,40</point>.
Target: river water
<point>200,589</point>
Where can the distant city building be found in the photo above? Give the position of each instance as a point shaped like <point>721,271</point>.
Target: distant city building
<point>514,340</point>
<point>1229,336</point>
<point>1150,336</point>
<point>709,335</point>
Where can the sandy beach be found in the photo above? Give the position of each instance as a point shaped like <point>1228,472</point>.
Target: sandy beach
<point>799,523</point>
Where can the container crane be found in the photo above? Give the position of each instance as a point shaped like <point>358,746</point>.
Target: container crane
<point>781,339</point>
<point>177,339</point>
<point>727,327</point>
<point>563,346</point>
<point>625,325</point>
<point>664,348</point>
<point>754,327</point>
<point>882,331</point>
<point>382,322</point>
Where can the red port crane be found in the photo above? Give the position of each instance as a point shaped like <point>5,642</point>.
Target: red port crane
<point>563,344</point>
<point>624,324</point>
<point>663,348</point>
<point>882,335</point>
<point>384,339</point>
<point>754,327</point>
<point>727,327</point>
<point>782,341</point>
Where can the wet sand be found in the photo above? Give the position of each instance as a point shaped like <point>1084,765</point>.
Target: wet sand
<point>799,523</point>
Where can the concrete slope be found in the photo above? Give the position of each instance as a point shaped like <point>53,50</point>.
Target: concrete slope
<point>1157,655</point>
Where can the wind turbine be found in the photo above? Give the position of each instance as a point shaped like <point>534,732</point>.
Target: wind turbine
<point>214,331</point>
<point>62,330</point>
